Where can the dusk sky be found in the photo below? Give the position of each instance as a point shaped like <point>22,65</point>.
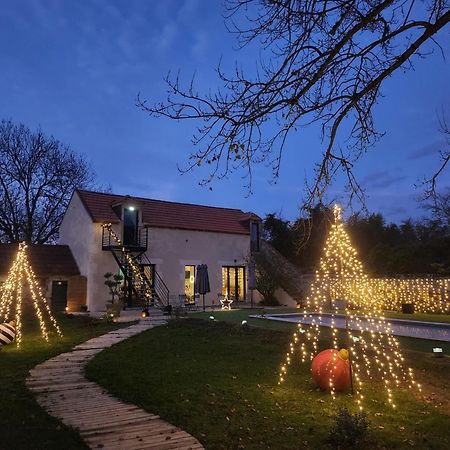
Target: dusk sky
<point>75,68</point>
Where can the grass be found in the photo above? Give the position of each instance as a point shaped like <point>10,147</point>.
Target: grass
<point>237,316</point>
<point>424,317</point>
<point>219,382</point>
<point>24,425</point>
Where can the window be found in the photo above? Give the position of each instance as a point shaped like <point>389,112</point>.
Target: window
<point>254,236</point>
<point>233,282</point>
<point>189,283</point>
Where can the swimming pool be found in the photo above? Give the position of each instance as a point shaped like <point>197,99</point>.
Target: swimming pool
<point>400,327</point>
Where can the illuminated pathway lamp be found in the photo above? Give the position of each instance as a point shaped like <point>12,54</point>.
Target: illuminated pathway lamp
<point>367,340</point>
<point>11,300</point>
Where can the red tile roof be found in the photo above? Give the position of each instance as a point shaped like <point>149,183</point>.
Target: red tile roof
<point>46,260</point>
<point>164,214</point>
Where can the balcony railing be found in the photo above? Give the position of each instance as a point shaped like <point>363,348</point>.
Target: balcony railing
<point>140,243</point>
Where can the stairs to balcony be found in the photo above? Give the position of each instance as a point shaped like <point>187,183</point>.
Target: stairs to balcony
<point>131,261</point>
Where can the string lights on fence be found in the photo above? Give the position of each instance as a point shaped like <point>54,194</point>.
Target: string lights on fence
<point>342,287</point>
<point>11,303</point>
<point>428,295</point>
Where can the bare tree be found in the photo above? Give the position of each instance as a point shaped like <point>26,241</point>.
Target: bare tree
<point>326,64</point>
<point>37,177</point>
<point>439,206</point>
<point>444,157</point>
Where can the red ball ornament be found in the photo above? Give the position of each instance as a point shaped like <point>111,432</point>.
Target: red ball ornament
<point>331,366</point>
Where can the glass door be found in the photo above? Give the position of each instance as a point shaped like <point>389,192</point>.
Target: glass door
<point>130,227</point>
<point>233,282</point>
<point>189,284</point>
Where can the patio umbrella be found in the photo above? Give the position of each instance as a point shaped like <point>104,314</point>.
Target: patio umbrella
<point>202,281</point>
<point>251,281</point>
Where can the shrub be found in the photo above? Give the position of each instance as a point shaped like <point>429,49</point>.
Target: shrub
<point>348,429</point>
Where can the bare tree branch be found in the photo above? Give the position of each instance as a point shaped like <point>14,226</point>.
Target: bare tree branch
<point>327,63</point>
<point>37,177</point>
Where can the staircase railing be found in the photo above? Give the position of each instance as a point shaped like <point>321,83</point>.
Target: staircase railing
<point>147,291</point>
<point>159,286</point>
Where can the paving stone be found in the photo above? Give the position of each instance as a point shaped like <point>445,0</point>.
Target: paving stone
<point>102,420</point>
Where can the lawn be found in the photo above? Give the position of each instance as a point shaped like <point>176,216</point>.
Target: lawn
<point>238,315</point>
<point>218,381</point>
<point>23,424</point>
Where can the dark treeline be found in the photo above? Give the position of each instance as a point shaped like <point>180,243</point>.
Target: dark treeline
<point>386,249</point>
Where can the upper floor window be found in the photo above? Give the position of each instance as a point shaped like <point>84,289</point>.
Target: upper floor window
<point>254,236</point>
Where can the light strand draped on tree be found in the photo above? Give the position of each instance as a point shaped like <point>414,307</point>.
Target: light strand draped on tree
<point>373,350</point>
<point>12,296</point>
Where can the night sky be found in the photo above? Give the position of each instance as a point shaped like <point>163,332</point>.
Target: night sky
<point>75,68</point>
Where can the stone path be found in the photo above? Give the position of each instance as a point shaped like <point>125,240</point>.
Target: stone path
<point>102,420</point>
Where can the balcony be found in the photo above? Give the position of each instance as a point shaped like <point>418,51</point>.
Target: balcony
<point>136,242</point>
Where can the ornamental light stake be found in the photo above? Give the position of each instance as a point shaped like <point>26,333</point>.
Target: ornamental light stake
<point>367,338</point>
<point>11,299</point>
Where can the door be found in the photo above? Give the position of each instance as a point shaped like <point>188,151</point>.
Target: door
<point>189,284</point>
<point>59,296</point>
<point>233,282</point>
<point>130,227</point>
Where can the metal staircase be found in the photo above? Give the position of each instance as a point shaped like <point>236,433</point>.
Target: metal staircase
<point>131,261</point>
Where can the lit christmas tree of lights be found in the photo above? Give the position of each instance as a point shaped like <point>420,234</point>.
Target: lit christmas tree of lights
<point>374,353</point>
<point>11,303</point>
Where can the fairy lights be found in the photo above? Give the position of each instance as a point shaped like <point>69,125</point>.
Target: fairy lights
<point>428,295</point>
<point>342,287</point>
<point>11,303</point>
<point>226,303</point>
<point>141,285</point>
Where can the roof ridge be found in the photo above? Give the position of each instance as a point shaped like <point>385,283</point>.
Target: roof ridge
<point>164,201</point>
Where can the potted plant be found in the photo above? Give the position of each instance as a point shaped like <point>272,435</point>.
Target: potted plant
<point>115,303</point>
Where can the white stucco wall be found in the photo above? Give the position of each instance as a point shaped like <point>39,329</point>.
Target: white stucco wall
<point>76,231</point>
<point>84,239</point>
<point>170,250</point>
<point>284,298</point>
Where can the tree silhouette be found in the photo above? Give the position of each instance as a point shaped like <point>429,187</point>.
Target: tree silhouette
<point>37,177</point>
<point>325,65</point>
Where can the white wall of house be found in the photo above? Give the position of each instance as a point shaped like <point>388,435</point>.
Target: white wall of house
<point>171,250</point>
<point>284,298</point>
<point>77,231</point>
<point>84,238</point>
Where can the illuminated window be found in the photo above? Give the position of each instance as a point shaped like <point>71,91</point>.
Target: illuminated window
<point>233,282</point>
<point>189,283</point>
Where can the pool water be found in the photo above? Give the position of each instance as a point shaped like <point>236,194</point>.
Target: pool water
<point>410,328</point>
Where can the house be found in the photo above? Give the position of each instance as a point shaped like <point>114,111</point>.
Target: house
<point>56,271</point>
<point>157,245</point>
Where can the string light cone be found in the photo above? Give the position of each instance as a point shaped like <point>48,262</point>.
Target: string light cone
<point>341,286</point>
<point>11,296</point>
